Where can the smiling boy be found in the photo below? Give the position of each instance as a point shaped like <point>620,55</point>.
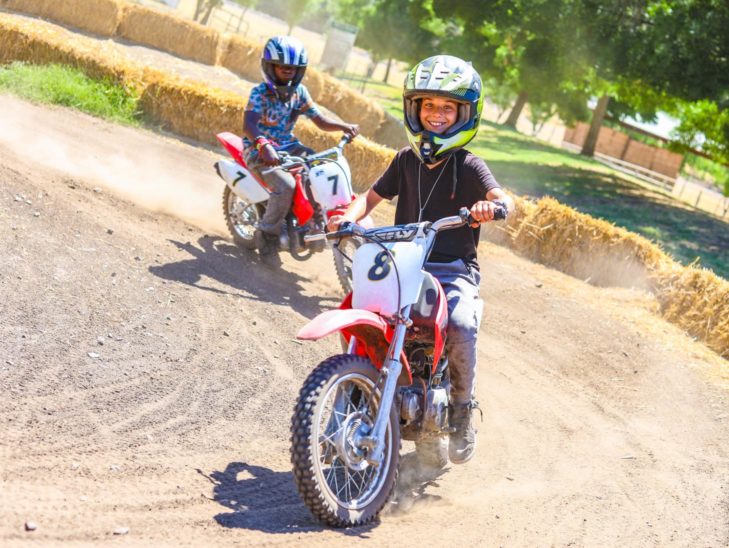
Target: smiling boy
<point>433,178</point>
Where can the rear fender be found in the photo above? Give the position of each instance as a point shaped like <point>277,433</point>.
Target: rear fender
<point>234,145</point>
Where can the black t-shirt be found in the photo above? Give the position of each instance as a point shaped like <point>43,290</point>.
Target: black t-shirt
<point>461,181</point>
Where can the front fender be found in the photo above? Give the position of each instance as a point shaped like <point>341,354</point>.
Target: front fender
<point>373,334</point>
<point>330,321</point>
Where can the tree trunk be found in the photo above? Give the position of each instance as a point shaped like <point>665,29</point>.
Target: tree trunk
<point>516,110</point>
<point>588,148</point>
<point>240,21</point>
<point>199,8</point>
<point>387,70</point>
<point>211,5</point>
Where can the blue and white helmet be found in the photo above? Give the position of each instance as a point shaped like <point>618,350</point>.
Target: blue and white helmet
<point>283,50</point>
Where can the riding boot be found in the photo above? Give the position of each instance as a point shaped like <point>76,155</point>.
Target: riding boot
<point>267,245</point>
<point>462,443</point>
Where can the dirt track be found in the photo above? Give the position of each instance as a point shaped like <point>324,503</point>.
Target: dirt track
<point>148,369</point>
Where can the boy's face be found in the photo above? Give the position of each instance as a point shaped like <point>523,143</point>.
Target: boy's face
<point>438,114</point>
<point>284,73</point>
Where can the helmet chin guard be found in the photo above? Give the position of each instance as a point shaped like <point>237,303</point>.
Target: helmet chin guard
<point>431,148</point>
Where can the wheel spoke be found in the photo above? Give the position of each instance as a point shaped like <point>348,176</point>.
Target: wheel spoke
<point>343,418</point>
<point>347,489</point>
<point>362,482</point>
<point>334,473</point>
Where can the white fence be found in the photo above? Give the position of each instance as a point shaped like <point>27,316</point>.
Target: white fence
<point>701,197</point>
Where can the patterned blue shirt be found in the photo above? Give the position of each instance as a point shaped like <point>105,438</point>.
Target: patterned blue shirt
<point>278,118</point>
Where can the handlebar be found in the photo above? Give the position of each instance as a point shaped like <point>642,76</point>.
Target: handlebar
<point>403,232</point>
<point>289,161</point>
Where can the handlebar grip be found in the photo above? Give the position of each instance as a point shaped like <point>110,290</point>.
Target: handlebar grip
<point>499,215</point>
<point>315,237</point>
<point>345,229</point>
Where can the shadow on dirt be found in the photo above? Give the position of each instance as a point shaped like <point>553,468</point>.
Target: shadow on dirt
<point>220,261</point>
<point>264,500</point>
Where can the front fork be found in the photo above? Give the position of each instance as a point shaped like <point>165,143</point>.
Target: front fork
<point>389,374</point>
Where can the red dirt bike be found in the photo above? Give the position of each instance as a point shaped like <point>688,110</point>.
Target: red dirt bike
<point>393,382</point>
<point>323,188</point>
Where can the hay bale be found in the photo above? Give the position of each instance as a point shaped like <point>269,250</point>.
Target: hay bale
<point>587,248</point>
<point>391,133</point>
<point>502,233</point>
<point>697,300</point>
<point>241,56</point>
<point>97,16</point>
<point>38,43</point>
<point>189,108</point>
<point>349,105</point>
<point>172,34</point>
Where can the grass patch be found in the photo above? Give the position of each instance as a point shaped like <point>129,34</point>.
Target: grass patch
<point>536,169</point>
<point>66,86</point>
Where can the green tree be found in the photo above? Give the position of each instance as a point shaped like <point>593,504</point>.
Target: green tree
<point>390,29</point>
<point>296,11</point>
<point>526,45</point>
<point>669,49</point>
<point>204,8</point>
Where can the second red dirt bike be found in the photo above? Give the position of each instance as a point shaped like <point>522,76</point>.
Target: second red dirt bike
<point>392,384</point>
<point>323,188</point>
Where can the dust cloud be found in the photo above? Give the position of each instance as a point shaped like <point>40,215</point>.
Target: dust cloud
<point>129,168</point>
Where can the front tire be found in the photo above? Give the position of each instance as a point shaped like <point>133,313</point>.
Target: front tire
<point>241,217</point>
<point>336,406</point>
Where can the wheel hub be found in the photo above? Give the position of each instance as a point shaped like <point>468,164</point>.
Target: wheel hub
<point>348,440</point>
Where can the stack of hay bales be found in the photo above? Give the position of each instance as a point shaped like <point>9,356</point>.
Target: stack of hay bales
<point>42,44</point>
<point>241,56</point>
<point>151,27</point>
<point>190,109</point>
<point>585,247</point>
<point>100,17</point>
<point>161,30</point>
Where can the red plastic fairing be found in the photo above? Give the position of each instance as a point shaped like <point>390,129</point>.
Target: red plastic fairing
<point>234,145</point>
<point>301,206</point>
<point>373,334</point>
<point>441,320</point>
<point>336,211</point>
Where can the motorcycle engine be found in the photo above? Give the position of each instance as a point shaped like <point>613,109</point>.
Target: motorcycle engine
<point>435,416</point>
<point>420,357</point>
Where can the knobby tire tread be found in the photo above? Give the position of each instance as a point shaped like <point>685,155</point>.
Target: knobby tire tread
<point>301,428</point>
